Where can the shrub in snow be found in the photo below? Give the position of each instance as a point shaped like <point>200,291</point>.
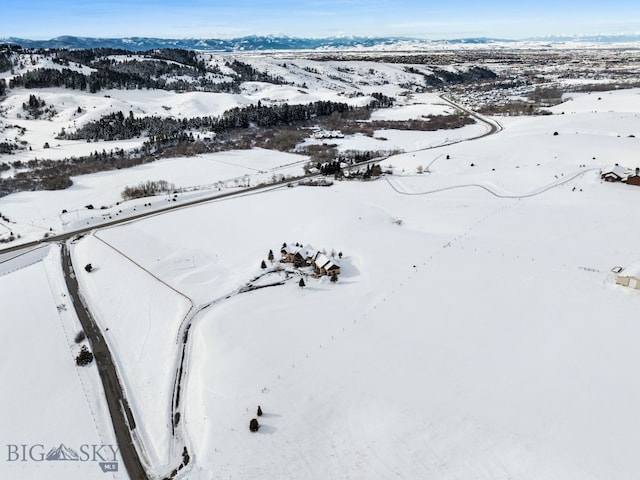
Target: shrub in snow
<point>259,413</point>
<point>88,267</point>
<point>254,425</point>
<point>85,357</point>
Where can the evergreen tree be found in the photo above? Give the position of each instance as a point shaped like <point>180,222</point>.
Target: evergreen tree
<point>270,257</point>
<point>301,283</point>
<point>85,357</point>
<point>263,265</point>
<point>254,425</point>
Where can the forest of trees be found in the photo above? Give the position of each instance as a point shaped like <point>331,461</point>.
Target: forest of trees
<point>5,61</point>
<point>36,107</point>
<point>117,126</point>
<point>41,174</point>
<point>165,69</point>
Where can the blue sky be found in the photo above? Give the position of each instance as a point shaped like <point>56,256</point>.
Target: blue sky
<point>434,19</point>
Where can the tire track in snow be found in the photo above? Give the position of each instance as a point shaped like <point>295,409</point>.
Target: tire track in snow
<point>491,191</point>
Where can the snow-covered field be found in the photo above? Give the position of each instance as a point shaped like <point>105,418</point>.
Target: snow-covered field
<point>475,330</point>
<point>35,213</point>
<point>47,401</point>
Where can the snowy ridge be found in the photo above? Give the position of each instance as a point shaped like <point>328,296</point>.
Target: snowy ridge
<point>272,42</point>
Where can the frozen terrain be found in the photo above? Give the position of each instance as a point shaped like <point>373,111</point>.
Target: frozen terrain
<point>469,334</point>
<point>47,399</point>
<point>475,330</point>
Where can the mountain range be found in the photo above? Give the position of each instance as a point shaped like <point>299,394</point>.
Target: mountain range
<point>269,42</point>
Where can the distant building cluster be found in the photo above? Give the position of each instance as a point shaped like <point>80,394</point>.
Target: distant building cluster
<point>321,134</point>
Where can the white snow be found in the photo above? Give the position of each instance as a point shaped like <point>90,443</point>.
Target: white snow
<point>140,317</point>
<point>47,400</point>
<point>192,176</point>
<point>481,337</point>
<point>476,330</point>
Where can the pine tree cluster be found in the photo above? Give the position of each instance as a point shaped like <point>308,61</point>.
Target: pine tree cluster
<point>164,69</point>
<point>85,357</point>
<point>117,126</point>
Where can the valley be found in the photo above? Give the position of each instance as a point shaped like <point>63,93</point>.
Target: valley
<point>475,329</point>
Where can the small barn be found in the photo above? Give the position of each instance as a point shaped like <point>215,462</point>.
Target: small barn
<point>630,276</point>
<point>634,179</point>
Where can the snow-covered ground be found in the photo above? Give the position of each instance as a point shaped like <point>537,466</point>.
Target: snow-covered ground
<point>47,400</point>
<point>475,330</point>
<point>140,317</point>
<point>33,214</point>
<point>469,335</point>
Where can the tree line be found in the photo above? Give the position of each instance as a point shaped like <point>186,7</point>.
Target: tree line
<point>166,69</point>
<point>117,126</point>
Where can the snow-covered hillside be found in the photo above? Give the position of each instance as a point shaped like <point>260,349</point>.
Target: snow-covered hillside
<point>475,329</point>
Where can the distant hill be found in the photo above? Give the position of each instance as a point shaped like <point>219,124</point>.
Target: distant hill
<point>250,43</point>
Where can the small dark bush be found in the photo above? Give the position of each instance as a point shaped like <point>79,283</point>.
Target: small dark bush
<point>254,425</point>
<point>85,357</point>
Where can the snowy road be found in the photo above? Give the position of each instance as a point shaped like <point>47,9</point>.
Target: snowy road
<point>121,416</point>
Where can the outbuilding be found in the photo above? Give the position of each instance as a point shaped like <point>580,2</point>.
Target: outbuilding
<point>634,179</point>
<point>630,276</point>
